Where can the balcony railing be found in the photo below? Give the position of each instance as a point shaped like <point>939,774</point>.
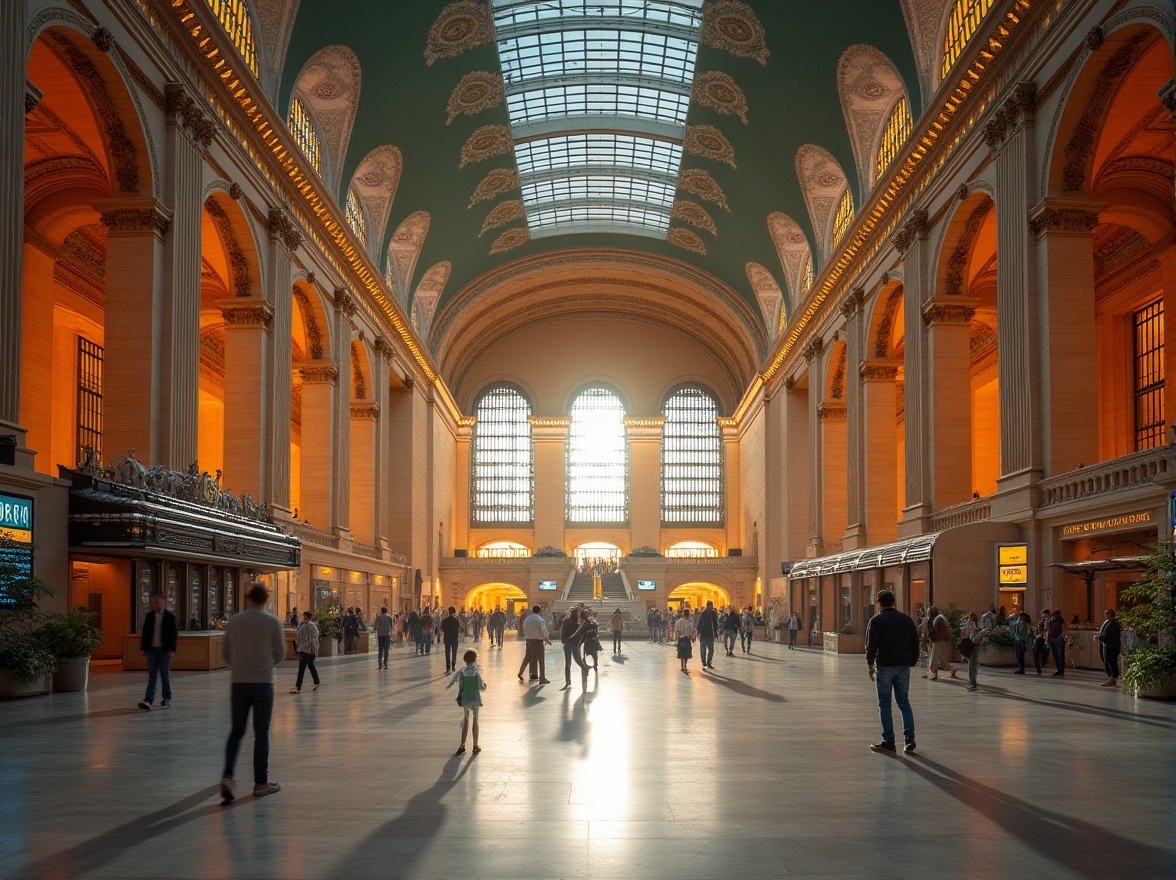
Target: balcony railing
<point>368,550</point>
<point>972,511</point>
<point>497,561</point>
<point>310,535</point>
<point>707,561</point>
<point>1119,474</point>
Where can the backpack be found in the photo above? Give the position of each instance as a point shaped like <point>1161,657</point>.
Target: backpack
<point>966,647</point>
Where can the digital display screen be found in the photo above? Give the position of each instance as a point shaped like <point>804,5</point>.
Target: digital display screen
<point>16,528</point>
<point>647,585</point>
<point>548,585</point>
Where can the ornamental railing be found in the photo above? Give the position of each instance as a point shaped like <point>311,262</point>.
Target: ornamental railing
<point>1116,475</point>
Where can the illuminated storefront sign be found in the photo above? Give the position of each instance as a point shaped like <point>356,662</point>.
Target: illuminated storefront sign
<point>1142,518</point>
<point>1013,567</point>
<point>16,528</point>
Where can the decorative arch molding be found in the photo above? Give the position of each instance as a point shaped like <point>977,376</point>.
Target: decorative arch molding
<point>792,247</point>
<point>470,401</point>
<point>960,236</point>
<point>869,86</point>
<point>597,380</point>
<point>375,182</point>
<point>328,85</point>
<point>822,181</point>
<point>231,226</point>
<point>924,21</point>
<point>314,317</point>
<point>835,376</point>
<point>767,291</point>
<point>887,308</point>
<point>404,250</point>
<point>688,381</point>
<point>361,370</point>
<point>429,291</point>
<point>275,24</point>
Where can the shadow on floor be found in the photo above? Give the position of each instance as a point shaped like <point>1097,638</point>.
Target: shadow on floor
<point>1097,711</point>
<point>1084,848</point>
<point>67,719</point>
<point>743,688</point>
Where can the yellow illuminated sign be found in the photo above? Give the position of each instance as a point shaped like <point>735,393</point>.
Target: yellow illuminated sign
<point>1111,522</point>
<point>1014,554</point>
<point>1014,575</point>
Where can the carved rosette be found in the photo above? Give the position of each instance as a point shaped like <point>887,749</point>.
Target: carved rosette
<point>103,39</point>
<point>496,183</point>
<point>282,227</point>
<point>694,214</point>
<point>686,240</point>
<point>716,90</point>
<point>485,143</point>
<point>915,228</point>
<point>460,27</point>
<point>510,240</point>
<point>734,27</point>
<point>502,214</point>
<point>709,143</point>
<point>700,183</point>
<point>476,92</point>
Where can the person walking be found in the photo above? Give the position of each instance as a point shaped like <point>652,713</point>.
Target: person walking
<point>617,624</point>
<point>970,636</point>
<point>1056,637</point>
<point>731,623</point>
<point>684,633</point>
<point>497,625</point>
<point>306,644</point>
<point>383,627</point>
<point>158,645</point>
<point>708,629</point>
<point>412,625</point>
<point>534,629</point>
<point>253,646</point>
<point>571,636</point>
<point>592,646</point>
<point>451,635</point>
<point>469,697</point>
<point>1110,643</point>
<point>1020,627</point>
<point>350,631</point>
<point>892,648</point>
<point>939,635</point>
<point>747,631</point>
<point>793,629</point>
<point>427,624</point>
<point>1040,640</point>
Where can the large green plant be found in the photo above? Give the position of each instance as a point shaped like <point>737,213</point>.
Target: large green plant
<point>71,633</point>
<point>999,638</point>
<point>23,651</point>
<point>326,624</point>
<point>1151,614</point>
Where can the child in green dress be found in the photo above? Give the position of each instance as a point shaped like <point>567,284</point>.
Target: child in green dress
<point>469,697</point>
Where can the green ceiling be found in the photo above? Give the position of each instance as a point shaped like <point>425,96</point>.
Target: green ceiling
<point>792,100</point>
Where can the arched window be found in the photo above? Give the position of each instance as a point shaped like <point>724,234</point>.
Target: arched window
<point>692,459</point>
<point>234,18</point>
<point>898,129</point>
<point>503,550</point>
<point>597,459</point>
<point>355,217</point>
<point>691,550</point>
<point>502,459</point>
<point>302,127</point>
<point>844,217</point>
<point>965,18</point>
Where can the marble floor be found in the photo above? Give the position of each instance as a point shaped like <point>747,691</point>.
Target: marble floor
<point>759,769</point>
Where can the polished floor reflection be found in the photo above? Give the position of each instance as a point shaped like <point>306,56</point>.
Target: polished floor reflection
<point>759,769</point>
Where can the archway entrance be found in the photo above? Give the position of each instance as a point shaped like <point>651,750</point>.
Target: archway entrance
<point>597,558</point>
<point>487,597</point>
<point>697,595</point>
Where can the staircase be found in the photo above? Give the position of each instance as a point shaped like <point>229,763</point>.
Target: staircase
<point>581,589</point>
<point>613,588</point>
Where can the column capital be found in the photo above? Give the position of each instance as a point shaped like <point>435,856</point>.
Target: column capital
<point>879,369</point>
<point>317,372</point>
<point>913,229</point>
<point>250,312</point>
<point>283,229</point>
<point>134,215</point>
<point>813,350</point>
<point>949,310</point>
<point>729,427</point>
<point>831,412</point>
<point>547,428</point>
<point>345,302</point>
<point>1017,109</point>
<point>852,304</point>
<point>365,410</point>
<point>385,349</point>
<point>1053,214</point>
<point>639,429</point>
<point>183,109</point>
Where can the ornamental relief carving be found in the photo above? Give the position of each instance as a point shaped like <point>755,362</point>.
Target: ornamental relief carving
<point>256,315</point>
<point>699,182</point>
<point>718,91</point>
<point>460,27</point>
<point>709,143</point>
<point>734,27</point>
<point>687,240</point>
<point>477,91</point>
<point>136,220</point>
<point>509,240</point>
<point>238,265</point>
<point>282,227</point>
<point>913,229</point>
<point>485,143</point>
<point>1055,219</point>
<point>310,326</point>
<point>180,108</point>
<point>947,313</point>
<point>958,264</point>
<point>322,373</point>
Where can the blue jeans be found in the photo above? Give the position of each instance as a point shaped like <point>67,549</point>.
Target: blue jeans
<point>616,641</point>
<point>973,666</point>
<point>306,661</point>
<point>572,652</point>
<point>385,645</point>
<point>729,640</point>
<point>898,680</point>
<point>158,664</point>
<point>1058,649</point>
<point>260,697</point>
<point>745,637</point>
<point>1019,648</point>
<point>791,638</point>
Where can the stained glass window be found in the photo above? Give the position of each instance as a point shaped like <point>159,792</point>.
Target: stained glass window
<point>965,18</point>
<point>502,459</point>
<point>898,129</point>
<point>305,135</point>
<point>1150,423</point>
<point>89,426</point>
<point>355,217</point>
<point>844,217</point>
<point>597,459</point>
<point>234,18</point>
<point>692,459</point>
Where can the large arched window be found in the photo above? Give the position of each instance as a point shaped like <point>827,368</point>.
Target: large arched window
<point>898,129</point>
<point>305,135</point>
<point>597,459</point>
<point>844,217</point>
<point>965,18</point>
<point>502,459</point>
<point>234,18</point>
<point>692,459</point>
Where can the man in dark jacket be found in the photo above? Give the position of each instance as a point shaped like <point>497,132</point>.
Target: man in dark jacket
<point>1110,639</point>
<point>451,633</point>
<point>158,644</point>
<point>892,646</point>
<point>708,629</point>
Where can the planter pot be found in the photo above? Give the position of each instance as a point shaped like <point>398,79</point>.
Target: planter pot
<point>72,675</point>
<point>326,648</point>
<point>990,656</point>
<point>11,689</point>
<point>1165,690</point>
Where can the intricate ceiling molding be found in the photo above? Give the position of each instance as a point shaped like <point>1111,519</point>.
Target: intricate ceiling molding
<point>404,249</point>
<point>716,90</point>
<point>486,143</point>
<point>496,183</point>
<point>924,18</point>
<point>869,85</point>
<point>822,181</point>
<point>686,240</point>
<point>502,214</point>
<point>275,20</point>
<point>734,27</point>
<point>709,143</point>
<point>694,214</point>
<point>329,85</point>
<point>701,184</point>
<point>375,182</point>
<point>476,92</point>
<point>85,250</point>
<point>510,240</point>
<point>430,290</point>
<point>238,265</point>
<point>460,27</point>
<point>767,291</point>
<point>792,247</point>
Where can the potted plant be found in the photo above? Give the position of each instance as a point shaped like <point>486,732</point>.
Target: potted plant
<point>72,637</point>
<point>1150,668</point>
<point>26,662</point>
<point>326,624</point>
<point>997,648</point>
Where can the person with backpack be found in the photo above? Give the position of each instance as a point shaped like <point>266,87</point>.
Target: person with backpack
<point>1056,636</point>
<point>469,697</point>
<point>592,646</point>
<point>939,636</point>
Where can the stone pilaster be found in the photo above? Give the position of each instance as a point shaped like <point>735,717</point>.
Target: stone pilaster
<point>879,407</point>
<point>550,436</point>
<point>733,485</point>
<point>645,436</point>
<point>345,307</point>
<point>831,417</point>
<point>248,324</point>
<point>791,468</point>
<point>461,483</point>
<point>318,380</point>
<point>855,448</point>
<point>917,286</point>
<point>949,397</point>
<point>365,421</point>
<point>382,394</point>
<point>281,243</point>
<point>816,383</point>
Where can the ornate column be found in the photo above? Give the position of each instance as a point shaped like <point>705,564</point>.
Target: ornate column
<point>364,477</point>
<point>949,397</point>
<point>912,244</point>
<point>383,482</point>
<point>318,380</point>
<point>550,437</point>
<point>733,484</point>
<point>248,324</point>
<point>1064,233</point>
<point>812,355</point>
<point>645,436</point>
<point>461,483</point>
<point>832,415</point>
<point>1010,138</point>
<point>134,371</point>
<point>284,239</point>
<point>345,307</point>
<point>855,449</point>
<point>879,433</point>
<point>14,104</point>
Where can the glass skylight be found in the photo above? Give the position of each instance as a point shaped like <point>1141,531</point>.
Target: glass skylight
<point>597,93</point>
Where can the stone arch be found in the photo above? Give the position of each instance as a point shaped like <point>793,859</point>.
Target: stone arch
<point>869,86</point>
<point>375,182</point>
<point>767,292</point>
<point>597,381</point>
<point>328,85</point>
<point>235,235</point>
<point>972,216</point>
<point>835,375</point>
<point>361,371</point>
<point>274,23</point>
<point>404,250</point>
<point>823,182</point>
<point>429,293</point>
<point>311,321</point>
<point>886,322</point>
<point>792,247</point>
<point>924,21</point>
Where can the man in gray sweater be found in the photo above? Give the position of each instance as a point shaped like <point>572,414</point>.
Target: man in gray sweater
<point>253,645</point>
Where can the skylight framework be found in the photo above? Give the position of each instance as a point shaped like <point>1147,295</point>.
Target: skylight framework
<point>597,93</point>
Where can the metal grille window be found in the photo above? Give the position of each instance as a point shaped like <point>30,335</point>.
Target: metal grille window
<point>898,129</point>
<point>502,459</point>
<point>597,459</point>
<point>355,217</point>
<point>844,217</point>
<point>89,397</point>
<point>302,127</point>
<point>234,18</point>
<point>692,458</point>
<point>965,18</point>
<point>1150,424</point>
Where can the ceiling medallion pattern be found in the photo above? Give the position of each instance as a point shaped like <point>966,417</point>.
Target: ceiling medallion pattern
<point>733,27</point>
<point>503,213</point>
<point>709,143</point>
<point>476,92</point>
<point>460,26</point>
<point>694,214</point>
<point>686,240</point>
<point>718,91</point>
<point>511,239</point>
<point>486,143</point>
<point>701,184</point>
<point>494,184</point>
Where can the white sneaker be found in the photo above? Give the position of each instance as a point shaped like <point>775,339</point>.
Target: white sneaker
<point>295,690</point>
<point>226,789</point>
<point>266,788</point>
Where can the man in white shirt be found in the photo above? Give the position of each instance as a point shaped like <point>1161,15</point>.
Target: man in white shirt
<point>383,627</point>
<point>537,636</point>
<point>253,646</point>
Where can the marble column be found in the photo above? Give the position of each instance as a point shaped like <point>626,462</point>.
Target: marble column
<point>365,422</point>
<point>855,446</point>
<point>248,325</point>
<point>832,418</point>
<point>949,398</point>
<point>732,484</point>
<point>283,240</point>
<point>345,307</point>
<point>645,436</point>
<point>912,243</point>
<point>816,386</point>
<point>550,437</point>
<point>318,380</point>
<point>879,489</point>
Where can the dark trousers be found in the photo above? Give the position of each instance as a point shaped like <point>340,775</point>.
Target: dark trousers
<point>706,649</point>
<point>1019,648</point>
<point>158,664</point>
<point>729,640</point>
<point>616,641</point>
<point>1058,649</point>
<point>259,697</point>
<point>1039,654</point>
<point>385,643</point>
<point>305,662</point>
<point>536,659</point>
<point>1110,659</point>
<point>572,652</point>
<point>451,655</point>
